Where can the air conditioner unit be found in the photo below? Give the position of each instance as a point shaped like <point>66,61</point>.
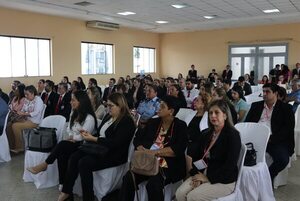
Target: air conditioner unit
<point>103,25</point>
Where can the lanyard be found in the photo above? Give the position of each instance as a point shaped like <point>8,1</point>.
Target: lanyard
<point>212,142</point>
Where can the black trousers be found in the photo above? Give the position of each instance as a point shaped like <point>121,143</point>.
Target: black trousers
<point>62,152</point>
<point>83,164</point>
<point>155,186</point>
<point>280,156</point>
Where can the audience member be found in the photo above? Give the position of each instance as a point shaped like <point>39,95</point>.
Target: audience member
<point>93,83</point>
<point>4,96</point>
<point>63,106</point>
<point>211,75</point>
<point>239,103</point>
<point>115,133</point>
<point>30,117</point>
<point>96,102</point>
<point>75,86</point>
<point>166,138</point>
<point>296,71</point>
<point>192,74</point>
<point>295,94</point>
<point>14,85</point>
<point>82,119</point>
<point>49,98</point>
<point>65,80</point>
<point>274,74</point>
<point>178,94</point>
<point>227,88</point>
<point>138,92</point>
<point>18,101</point>
<point>149,107</point>
<point>190,93</point>
<point>121,88</point>
<point>264,80</point>
<point>279,117</point>
<point>110,89</point>
<point>81,83</point>
<point>249,79</point>
<point>41,87</point>
<point>213,158</point>
<point>227,73</point>
<point>245,86</point>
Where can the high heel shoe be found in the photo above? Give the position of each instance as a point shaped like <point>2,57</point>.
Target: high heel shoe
<point>62,197</point>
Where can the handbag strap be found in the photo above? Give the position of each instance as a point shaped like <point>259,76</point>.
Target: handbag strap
<point>135,186</point>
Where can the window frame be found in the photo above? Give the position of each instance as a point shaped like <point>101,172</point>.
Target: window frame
<point>154,59</point>
<point>25,59</point>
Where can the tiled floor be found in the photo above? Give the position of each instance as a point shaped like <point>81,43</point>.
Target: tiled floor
<point>12,187</point>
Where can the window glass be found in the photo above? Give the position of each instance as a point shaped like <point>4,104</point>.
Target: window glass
<point>143,60</point>
<point>96,58</point>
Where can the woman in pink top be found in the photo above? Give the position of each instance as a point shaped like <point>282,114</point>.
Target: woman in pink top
<point>18,100</point>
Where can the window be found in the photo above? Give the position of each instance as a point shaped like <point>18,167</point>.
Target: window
<point>24,57</point>
<point>257,59</point>
<point>96,58</point>
<point>143,60</point>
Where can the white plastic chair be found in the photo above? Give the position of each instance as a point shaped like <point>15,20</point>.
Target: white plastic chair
<point>4,147</point>
<point>236,195</point>
<point>49,177</point>
<point>256,182</point>
<point>106,180</point>
<point>256,133</point>
<point>186,114</point>
<point>43,111</point>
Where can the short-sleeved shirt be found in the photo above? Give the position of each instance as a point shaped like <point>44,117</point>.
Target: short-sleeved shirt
<point>241,105</point>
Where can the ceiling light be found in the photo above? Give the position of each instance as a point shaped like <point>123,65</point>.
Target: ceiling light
<point>83,3</point>
<point>127,13</point>
<point>179,5</point>
<point>271,11</point>
<point>161,22</point>
<point>209,17</point>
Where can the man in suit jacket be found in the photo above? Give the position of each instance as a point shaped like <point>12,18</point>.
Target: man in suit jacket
<point>110,89</point>
<point>296,71</point>
<point>49,98</point>
<point>227,73</point>
<point>246,87</point>
<point>63,106</point>
<point>279,117</point>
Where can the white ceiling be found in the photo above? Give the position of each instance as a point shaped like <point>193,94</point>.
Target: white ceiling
<point>231,13</point>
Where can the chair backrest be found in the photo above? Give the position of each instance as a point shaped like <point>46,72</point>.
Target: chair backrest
<point>240,163</point>
<point>186,114</point>
<point>4,147</point>
<point>5,124</point>
<point>55,121</point>
<point>43,111</point>
<point>256,133</point>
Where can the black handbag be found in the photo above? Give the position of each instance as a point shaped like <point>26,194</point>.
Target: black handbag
<point>94,148</point>
<point>250,158</point>
<point>39,139</point>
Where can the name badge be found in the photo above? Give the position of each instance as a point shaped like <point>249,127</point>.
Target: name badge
<point>200,164</point>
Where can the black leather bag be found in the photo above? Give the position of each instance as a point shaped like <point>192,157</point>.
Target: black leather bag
<point>39,139</point>
<point>94,149</point>
<point>250,158</point>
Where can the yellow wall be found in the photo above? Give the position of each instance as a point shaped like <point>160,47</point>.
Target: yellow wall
<point>209,49</point>
<point>66,35</point>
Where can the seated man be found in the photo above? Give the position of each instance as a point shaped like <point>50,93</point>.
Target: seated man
<point>149,107</point>
<point>190,93</point>
<point>295,94</point>
<point>246,87</point>
<point>279,117</point>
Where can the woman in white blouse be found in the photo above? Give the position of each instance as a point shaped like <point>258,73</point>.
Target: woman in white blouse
<point>82,118</point>
<point>28,117</point>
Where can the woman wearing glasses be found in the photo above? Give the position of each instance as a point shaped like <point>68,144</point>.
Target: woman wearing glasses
<point>115,133</point>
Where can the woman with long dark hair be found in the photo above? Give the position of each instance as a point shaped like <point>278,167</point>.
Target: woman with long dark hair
<point>214,156</point>
<point>81,83</point>
<point>175,91</point>
<point>239,103</point>
<point>82,118</point>
<point>115,133</point>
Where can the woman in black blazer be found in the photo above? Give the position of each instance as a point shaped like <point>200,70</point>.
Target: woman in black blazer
<point>214,155</point>
<point>166,138</point>
<point>115,132</point>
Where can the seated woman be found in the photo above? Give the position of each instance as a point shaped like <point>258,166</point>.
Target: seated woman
<point>18,101</point>
<point>264,80</point>
<point>115,133</point>
<point>239,103</point>
<point>220,94</point>
<point>29,116</point>
<point>199,121</point>
<point>96,101</point>
<point>166,138</point>
<point>175,91</point>
<point>214,169</point>
<point>82,117</point>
